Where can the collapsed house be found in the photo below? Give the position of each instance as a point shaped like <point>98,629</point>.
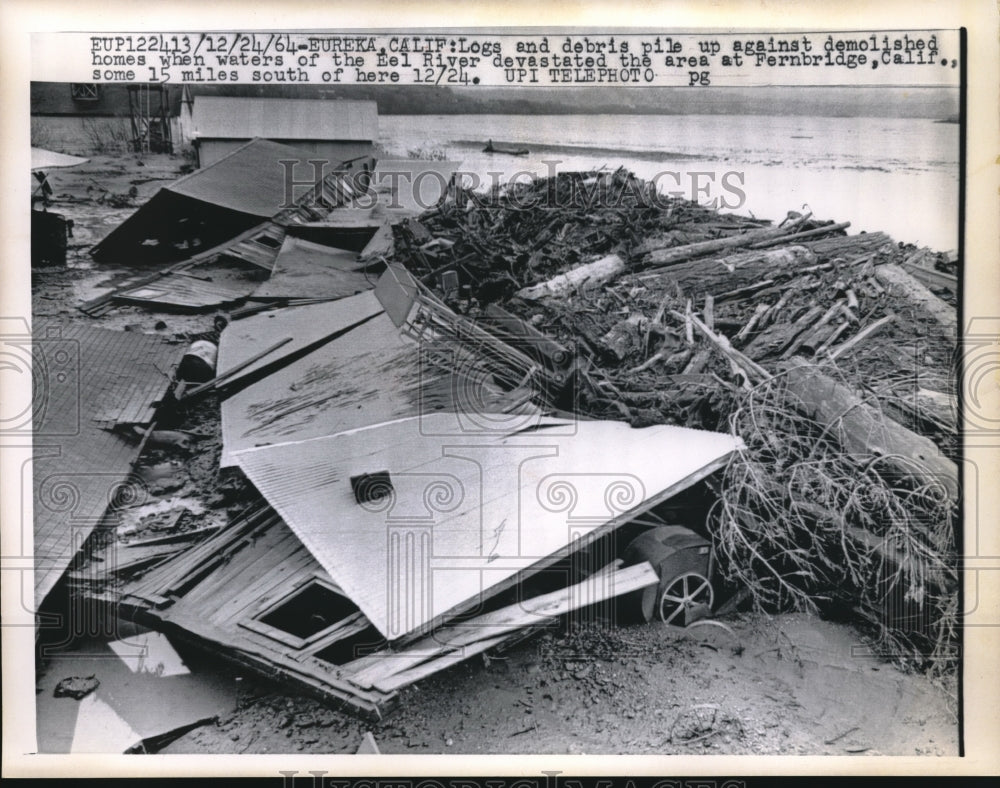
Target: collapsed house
<point>265,212</point>
<point>409,481</point>
<point>441,471</point>
<point>259,183</point>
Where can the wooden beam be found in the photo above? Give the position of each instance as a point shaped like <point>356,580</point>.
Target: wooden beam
<point>485,631</point>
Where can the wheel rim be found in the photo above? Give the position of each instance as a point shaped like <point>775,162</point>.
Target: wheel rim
<point>682,595</point>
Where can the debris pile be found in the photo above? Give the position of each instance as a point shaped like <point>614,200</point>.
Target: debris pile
<point>831,356</point>
<point>354,416</point>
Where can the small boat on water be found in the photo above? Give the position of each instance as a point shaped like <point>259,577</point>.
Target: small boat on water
<point>490,148</point>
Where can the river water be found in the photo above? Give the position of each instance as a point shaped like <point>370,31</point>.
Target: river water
<point>899,176</point>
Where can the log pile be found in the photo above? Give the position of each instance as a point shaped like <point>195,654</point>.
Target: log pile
<point>824,351</point>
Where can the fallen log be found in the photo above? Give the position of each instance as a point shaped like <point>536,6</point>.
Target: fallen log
<point>750,266</point>
<point>829,228</point>
<point>596,272</point>
<point>678,254</point>
<point>850,245</point>
<point>864,431</point>
<point>902,284</point>
<point>934,278</point>
<point>921,265</point>
<point>924,405</point>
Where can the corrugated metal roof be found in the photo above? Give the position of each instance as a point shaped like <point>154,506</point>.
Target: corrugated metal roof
<point>285,119</point>
<point>84,377</point>
<point>469,512</point>
<point>250,180</point>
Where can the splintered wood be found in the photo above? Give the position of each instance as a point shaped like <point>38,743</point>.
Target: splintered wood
<point>681,315</point>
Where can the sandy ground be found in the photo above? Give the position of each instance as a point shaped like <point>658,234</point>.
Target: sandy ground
<point>751,684</point>
<point>784,685</point>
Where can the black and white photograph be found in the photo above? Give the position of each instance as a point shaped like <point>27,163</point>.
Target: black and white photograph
<point>502,390</point>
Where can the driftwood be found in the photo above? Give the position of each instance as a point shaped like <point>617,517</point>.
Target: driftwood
<point>597,272</point>
<point>777,337</point>
<point>862,335</point>
<point>678,254</point>
<point>806,234</point>
<point>751,324</point>
<point>624,335</point>
<point>862,430</point>
<point>921,265</point>
<point>752,371</point>
<point>899,282</point>
<point>935,407</point>
<point>812,337</point>
<point>832,338</point>
<point>750,266</point>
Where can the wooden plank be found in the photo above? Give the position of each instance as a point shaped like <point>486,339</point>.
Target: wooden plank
<point>399,680</point>
<point>507,621</point>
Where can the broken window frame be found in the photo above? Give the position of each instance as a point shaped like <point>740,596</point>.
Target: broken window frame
<point>255,623</point>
